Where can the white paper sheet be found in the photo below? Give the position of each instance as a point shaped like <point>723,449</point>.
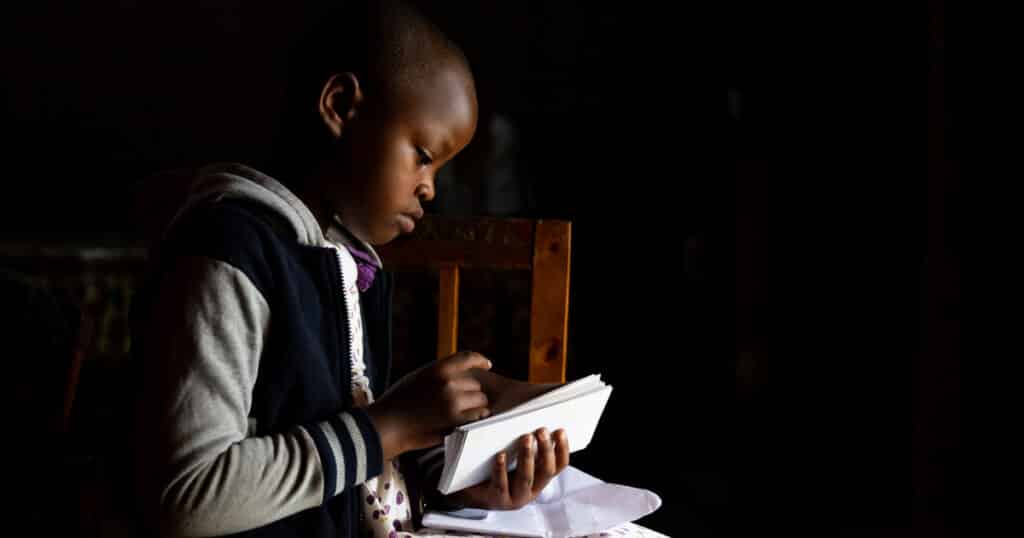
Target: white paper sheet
<point>573,504</point>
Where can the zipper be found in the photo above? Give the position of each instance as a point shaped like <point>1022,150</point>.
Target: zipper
<point>350,345</point>
<point>349,341</point>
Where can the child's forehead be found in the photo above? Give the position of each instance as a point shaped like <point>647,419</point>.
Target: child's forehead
<point>445,94</point>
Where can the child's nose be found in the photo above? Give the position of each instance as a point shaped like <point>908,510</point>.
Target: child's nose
<point>425,190</point>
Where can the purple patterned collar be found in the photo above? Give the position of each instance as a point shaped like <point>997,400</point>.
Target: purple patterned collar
<point>367,268</point>
<point>367,261</point>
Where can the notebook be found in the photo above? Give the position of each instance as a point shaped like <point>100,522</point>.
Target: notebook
<point>470,450</point>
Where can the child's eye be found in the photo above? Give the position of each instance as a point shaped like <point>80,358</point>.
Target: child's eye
<point>423,157</point>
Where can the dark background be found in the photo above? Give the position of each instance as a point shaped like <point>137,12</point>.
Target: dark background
<point>765,263</point>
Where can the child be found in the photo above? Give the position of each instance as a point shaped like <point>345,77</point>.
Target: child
<point>264,334</point>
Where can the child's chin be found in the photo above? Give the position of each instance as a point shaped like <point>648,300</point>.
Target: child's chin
<point>384,239</point>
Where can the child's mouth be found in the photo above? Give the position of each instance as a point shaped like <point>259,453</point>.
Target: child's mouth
<point>406,223</point>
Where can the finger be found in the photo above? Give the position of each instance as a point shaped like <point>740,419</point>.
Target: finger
<point>561,450</point>
<point>463,384</point>
<point>546,465</point>
<point>522,484</point>
<point>474,405</point>
<point>469,407</point>
<point>499,477</point>
<point>460,362</point>
<point>472,415</point>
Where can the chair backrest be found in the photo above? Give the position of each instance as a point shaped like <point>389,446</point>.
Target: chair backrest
<point>540,246</point>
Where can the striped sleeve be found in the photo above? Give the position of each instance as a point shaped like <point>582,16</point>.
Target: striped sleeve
<point>201,472</point>
<point>349,449</point>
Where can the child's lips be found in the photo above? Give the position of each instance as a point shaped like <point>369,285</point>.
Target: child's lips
<point>407,220</point>
<point>406,223</point>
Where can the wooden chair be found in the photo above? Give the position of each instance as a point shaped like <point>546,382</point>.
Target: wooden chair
<point>540,246</point>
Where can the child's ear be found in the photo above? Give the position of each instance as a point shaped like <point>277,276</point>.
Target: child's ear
<point>339,99</point>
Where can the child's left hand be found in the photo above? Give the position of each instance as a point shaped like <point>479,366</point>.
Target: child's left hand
<point>541,458</point>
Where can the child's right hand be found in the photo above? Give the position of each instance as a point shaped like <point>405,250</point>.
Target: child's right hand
<point>418,410</point>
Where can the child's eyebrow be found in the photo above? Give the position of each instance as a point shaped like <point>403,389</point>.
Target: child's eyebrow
<point>445,144</point>
<point>440,141</point>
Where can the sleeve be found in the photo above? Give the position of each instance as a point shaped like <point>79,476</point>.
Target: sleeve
<point>200,472</point>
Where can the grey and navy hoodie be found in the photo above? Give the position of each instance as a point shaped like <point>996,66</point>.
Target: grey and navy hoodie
<point>246,420</point>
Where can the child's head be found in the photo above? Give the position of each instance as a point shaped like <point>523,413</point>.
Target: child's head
<point>380,100</point>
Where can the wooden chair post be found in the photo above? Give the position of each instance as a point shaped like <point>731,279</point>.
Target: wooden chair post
<point>549,305</point>
<point>448,311</point>
<point>539,246</point>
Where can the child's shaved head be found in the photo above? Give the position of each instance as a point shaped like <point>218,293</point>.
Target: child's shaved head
<point>379,99</point>
<point>404,47</point>
<point>390,47</point>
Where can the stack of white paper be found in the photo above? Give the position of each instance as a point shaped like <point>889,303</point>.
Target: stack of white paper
<point>470,450</point>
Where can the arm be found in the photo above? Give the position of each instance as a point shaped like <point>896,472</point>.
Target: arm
<point>202,473</point>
